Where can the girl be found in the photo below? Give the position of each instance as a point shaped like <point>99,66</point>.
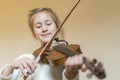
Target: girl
<point>43,23</point>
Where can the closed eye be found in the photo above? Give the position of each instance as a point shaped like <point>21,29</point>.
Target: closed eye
<point>38,25</point>
<point>48,22</point>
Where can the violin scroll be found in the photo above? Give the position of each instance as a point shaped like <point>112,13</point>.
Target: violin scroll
<point>95,68</point>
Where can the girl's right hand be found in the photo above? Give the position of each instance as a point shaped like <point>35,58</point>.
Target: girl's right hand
<point>25,64</point>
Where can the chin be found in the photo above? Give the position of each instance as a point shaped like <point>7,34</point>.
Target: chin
<point>45,41</point>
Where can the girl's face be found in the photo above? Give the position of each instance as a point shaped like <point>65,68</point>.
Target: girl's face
<point>44,27</point>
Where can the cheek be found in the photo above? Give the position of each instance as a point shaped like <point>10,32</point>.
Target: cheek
<point>37,33</point>
<point>53,29</point>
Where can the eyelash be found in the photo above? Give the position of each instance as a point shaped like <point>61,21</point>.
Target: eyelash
<point>38,26</point>
<point>48,23</point>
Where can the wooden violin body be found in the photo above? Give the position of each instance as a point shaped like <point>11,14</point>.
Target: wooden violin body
<point>55,57</point>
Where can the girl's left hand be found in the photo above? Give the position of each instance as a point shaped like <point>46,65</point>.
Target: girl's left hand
<point>72,65</point>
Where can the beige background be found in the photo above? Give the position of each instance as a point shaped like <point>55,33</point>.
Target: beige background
<point>94,24</point>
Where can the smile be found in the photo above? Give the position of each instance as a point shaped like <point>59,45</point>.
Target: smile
<point>46,34</point>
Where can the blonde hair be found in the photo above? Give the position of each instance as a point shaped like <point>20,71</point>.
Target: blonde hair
<point>37,10</point>
<point>50,12</point>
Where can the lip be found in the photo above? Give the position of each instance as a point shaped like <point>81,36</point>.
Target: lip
<point>46,34</point>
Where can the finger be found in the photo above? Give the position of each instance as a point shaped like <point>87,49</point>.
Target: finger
<point>32,64</point>
<point>74,62</point>
<point>68,62</point>
<point>75,58</point>
<point>27,67</point>
<point>78,61</point>
<point>23,70</point>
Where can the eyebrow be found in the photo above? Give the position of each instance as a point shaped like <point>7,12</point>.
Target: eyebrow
<point>38,23</point>
<point>45,21</point>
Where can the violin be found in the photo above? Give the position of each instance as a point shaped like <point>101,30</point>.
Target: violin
<point>59,53</point>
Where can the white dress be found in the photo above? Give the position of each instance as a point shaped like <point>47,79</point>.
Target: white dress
<point>43,72</point>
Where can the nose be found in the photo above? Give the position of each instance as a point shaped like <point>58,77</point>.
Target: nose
<point>44,29</point>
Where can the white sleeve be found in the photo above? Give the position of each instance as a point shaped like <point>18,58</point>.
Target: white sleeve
<point>65,78</point>
<point>16,73</point>
<point>2,76</point>
<point>14,76</point>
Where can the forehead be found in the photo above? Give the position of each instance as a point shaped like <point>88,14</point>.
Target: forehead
<point>41,16</point>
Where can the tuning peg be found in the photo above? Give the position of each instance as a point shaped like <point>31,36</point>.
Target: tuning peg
<point>83,68</point>
<point>100,72</point>
<point>99,66</point>
<point>94,61</point>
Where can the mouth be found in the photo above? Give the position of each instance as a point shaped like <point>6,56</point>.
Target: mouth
<point>47,34</point>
